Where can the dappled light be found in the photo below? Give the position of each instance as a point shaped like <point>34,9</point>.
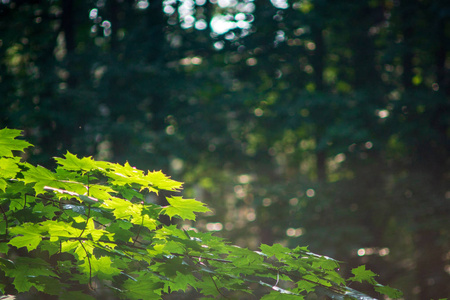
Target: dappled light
<point>214,226</point>
<point>294,232</point>
<point>373,251</point>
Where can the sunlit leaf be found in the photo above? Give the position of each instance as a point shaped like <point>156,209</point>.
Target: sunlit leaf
<point>41,177</point>
<point>28,235</point>
<point>162,182</point>
<point>9,143</point>
<point>73,163</point>
<point>102,267</point>
<point>9,167</point>
<point>184,208</point>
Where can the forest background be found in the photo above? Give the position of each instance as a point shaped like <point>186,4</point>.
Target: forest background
<point>320,123</point>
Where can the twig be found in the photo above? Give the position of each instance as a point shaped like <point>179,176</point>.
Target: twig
<point>90,267</point>
<point>217,288</point>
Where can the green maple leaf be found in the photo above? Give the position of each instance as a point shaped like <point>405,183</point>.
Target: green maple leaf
<point>57,229</point>
<point>122,208</point>
<point>361,274</point>
<point>26,270</point>
<point>325,263</point>
<point>41,177</point>
<point>145,286</point>
<point>29,235</point>
<point>47,211</point>
<point>8,143</point>
<point>180,282</point>
<point>388,291</point>
<point>100,191</point>
<point>278,250</point>
<point>162,182</point>
<point>184,208</point>
<point>9,167</point>
<point>126,175</point>
<point>73,163</point>
<point>207,287</point>
<point>306,286</point>
<point>101,267</point>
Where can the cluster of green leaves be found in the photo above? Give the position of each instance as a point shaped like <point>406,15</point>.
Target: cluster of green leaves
<point>90,225</point>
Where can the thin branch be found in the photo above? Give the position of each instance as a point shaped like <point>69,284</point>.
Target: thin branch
<point>49,188</point>
<point>87,220</point>
<point>278,278</point>
<point>88,187</point>
<point>217,288</point>
<point>90,267</point>
<point>139,231</point>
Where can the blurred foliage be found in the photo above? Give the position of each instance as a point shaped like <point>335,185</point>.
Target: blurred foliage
<point>311,122</point>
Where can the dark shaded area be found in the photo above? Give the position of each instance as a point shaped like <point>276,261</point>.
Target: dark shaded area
<point>321,123</point>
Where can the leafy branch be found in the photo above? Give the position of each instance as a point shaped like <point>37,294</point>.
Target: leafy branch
<point>103,229</point>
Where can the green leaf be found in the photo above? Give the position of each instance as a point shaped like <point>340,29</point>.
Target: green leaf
<point>101,267</point>
<point>100,191</point>
<point>162,182</point>
<point>306,286</point>
<point>57,229</point>
<point>9,167</point>
<point>73,163</point>
<point>184,208</point>
<point>325,263</point>
<point>47,211</point>
<point>361,274</point>
<point>145,286</point>
<point>274,295</point>
<point>8,142</point>
<point>124,209</point>
<point>180,282</point>
<point>277,250</point>
<point>29,235</point>
<point>3,184</point>
<point>26,269</point>
<point>4,248</point>
<point>41,177</point>
<point>388,291</point>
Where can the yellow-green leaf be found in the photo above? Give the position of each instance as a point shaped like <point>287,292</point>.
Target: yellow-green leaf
<point>8,142</point>
<point>184,208</point>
